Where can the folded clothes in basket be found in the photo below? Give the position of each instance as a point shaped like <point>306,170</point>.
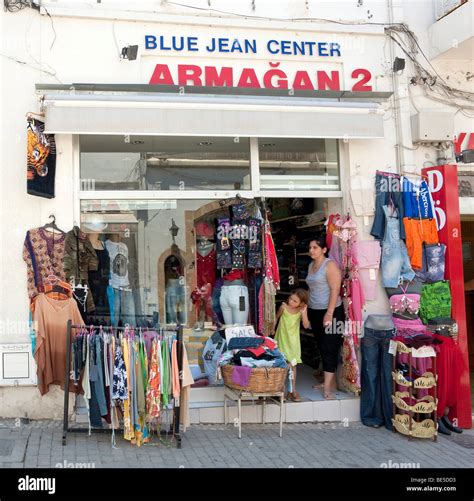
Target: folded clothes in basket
<point>238,343</point>
<point>241,375</point>
<point>254,358</point>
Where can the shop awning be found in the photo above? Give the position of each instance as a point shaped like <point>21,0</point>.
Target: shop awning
<point>327,115</point>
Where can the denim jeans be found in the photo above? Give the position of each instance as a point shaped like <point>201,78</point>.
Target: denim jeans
<point>175,304</point>
<point>386,188</point>
<point>395,261</point>
<point>124,307</point>
<point>376,395</point>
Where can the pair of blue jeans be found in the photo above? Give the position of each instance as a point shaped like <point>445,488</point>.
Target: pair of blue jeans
<point>387,189</point>
<point>395,264</point>
<point>376,395</point>
<point>175,304</point>
<point>124,307</point>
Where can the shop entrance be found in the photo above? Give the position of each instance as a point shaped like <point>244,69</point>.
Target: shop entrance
<point>467,232</point>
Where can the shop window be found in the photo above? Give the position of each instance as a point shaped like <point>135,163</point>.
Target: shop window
<point>164,262</point>
<point>164,163</point>
<point>299,164</point>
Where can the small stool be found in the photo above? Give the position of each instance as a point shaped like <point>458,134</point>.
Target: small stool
<point>239,395</point>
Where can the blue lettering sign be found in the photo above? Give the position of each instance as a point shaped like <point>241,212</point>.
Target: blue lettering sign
<point>150,42</point>
<point>270,45</point>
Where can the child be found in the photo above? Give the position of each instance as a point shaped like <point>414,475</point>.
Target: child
<point>288,332</point>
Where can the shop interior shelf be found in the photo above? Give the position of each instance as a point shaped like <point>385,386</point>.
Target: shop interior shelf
<point>287,218</point>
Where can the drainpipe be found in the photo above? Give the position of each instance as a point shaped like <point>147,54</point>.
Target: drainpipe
<point>399,153</point>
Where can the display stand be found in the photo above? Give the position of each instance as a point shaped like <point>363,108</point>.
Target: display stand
<point>240,395</point>
<point>174,426</point>
<point>410,423</point>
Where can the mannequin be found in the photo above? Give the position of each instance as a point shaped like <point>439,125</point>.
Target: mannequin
<point>123,303</point>
<point>377,362</point>
<point>175,292</point>
<point>234,300</point>
<point>206,261</point>
<point>99,280</point>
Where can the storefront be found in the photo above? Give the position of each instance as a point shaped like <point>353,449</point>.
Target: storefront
<point>292,124</point>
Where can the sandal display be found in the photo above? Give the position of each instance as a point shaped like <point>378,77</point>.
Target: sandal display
<point>417,398</point>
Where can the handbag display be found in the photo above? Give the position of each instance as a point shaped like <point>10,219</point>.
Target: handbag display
<point>433,263</point>
<point>435,301</point>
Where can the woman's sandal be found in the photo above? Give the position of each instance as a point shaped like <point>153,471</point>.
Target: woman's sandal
<point>329,396</point>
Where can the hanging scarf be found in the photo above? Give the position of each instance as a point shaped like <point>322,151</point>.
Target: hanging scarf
<point>153,390</point>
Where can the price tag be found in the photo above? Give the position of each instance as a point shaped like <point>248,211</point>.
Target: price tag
<point>392,348</point>
<point>366,220</point>
<point>372,274</point>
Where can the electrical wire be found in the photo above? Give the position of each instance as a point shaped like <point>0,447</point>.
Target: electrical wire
<point>29,65</point>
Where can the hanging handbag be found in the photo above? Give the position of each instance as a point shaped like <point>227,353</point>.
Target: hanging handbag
<point>240,212</point>
<point>433,263</point>
<point>435,301</point>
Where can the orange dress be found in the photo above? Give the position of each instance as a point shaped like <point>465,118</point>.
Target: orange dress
<point>50,318</point>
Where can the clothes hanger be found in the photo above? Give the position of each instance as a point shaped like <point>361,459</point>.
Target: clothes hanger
<point>53,225</point>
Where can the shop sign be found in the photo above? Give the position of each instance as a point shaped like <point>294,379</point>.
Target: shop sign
<point>276,75</point>
<point>443,183</point>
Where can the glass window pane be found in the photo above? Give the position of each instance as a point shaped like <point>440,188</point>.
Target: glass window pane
<point>160,261</point>
<point>164,163</point>
<point>299,164</point>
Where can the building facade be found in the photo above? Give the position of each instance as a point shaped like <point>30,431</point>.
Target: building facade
<point>252,93</point>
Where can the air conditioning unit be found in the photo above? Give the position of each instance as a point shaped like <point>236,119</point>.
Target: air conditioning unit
<point>17,365</point>
<point>432,126</point>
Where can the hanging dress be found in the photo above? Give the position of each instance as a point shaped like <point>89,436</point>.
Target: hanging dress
<point>153,393</point>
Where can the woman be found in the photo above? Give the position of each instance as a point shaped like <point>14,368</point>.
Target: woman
<point>325,310</point>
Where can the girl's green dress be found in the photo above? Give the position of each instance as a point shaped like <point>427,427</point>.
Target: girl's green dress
<point>288,336</point>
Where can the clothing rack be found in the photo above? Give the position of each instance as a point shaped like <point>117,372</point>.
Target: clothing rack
<point>175,426</point>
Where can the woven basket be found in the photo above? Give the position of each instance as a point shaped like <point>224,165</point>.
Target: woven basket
<point>261,380</point>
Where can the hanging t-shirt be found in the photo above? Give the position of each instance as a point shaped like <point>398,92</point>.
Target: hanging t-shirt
<point>417,201</point>
<point>41,160</point>
<point>118,253</point>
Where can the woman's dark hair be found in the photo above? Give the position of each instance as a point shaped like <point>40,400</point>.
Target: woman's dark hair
<point>320,240</point>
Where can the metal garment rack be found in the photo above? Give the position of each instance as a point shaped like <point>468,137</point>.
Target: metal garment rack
<point>175,426</point>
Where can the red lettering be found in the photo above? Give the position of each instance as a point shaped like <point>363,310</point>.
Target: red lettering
<point>328,82</point>
<point>189,72</point>
<point>248,78</point>
<point>302,81</point>
<point>223,79</point>
<point>281,83</point>
<point>365,77</point>
<point>458,142</point>
<point>161,75</point>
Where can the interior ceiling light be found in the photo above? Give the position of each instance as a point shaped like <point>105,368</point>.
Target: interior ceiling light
<point>138,142</point>
<point>268,145</point>
<point>205,143</point>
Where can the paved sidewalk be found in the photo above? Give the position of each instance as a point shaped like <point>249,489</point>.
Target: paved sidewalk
<point>38,444</point>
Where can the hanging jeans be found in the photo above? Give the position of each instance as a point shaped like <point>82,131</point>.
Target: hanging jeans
<point>234,309</point>
<point>175,302</point>
<point>376,381</point>
<point>395,262</point>
<point>387,187</point>
<point>124,307</point>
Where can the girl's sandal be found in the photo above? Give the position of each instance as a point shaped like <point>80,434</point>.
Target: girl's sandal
<point>296,397</point>
<point>289,396</point>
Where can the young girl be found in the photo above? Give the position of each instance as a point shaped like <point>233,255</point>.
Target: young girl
<point>288,332</point>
